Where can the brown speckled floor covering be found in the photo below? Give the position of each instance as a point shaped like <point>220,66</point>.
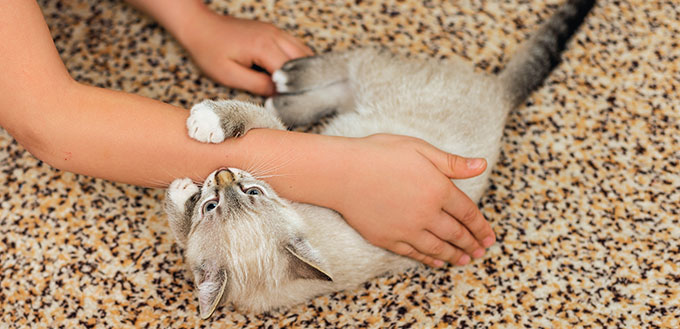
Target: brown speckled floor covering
<point>585,201</point>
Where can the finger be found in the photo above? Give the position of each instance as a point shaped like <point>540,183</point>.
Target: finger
<point>454,166</point>
<point>430,245</point>
<point>271,58</point>
<point>293,47</point>
<point>405,249</point>
<point>462,209</point>
<point>237,76</point>
<point>451,230</point>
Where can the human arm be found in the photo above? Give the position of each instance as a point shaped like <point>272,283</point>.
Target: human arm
<point>132,139</point>
<point>226,47</point>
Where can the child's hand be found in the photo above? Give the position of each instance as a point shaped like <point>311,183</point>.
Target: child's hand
<point>408,204</point>
<point>226,48</point>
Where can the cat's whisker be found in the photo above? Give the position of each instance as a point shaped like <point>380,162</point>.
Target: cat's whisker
<point>261,165</point>
<point>270,176</point>
<point>159,183</point>
<point>253,162</point>
<point>267,168</point>
<point>258,165</point>
<point>197,179</point>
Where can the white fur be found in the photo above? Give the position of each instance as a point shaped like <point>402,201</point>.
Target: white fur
<point>280,79</point>
<point>269,105</point>
<point>180,190</point>
<point>203,124</point>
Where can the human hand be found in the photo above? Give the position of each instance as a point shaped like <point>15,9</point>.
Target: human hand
<point>399,196</point>
<point>226,48</point>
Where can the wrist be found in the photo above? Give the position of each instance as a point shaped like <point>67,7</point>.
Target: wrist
<point>179,18</point>
<point>187,27</point>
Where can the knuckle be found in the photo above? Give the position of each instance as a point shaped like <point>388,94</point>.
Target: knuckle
<point>410,252</point>
<point>469,215</point>
<point>459,234</point>
<point>415,142</point>
<point>262,42</point>
<point>442,189</point>
<point>407,251</point>
<point>436,193</point>
<point>430,261</point>
<point>437,248</point>
<point>452,161</point>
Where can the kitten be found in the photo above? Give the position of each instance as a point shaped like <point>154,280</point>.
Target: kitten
<point>246,245</point>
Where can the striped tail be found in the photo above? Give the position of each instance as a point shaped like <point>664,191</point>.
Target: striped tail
<point>541,53</point>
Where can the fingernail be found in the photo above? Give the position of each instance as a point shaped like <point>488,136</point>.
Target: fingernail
<point>488,241</point>
<point>474,163</point>
<point>478,253</point>
<point>464,260</point>
<point>438,263</point>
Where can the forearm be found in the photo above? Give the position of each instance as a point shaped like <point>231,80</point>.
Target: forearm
<point>133,139</point>
<point>115,135</point>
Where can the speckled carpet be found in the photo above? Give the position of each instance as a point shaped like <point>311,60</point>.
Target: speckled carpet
<point>585,201</point>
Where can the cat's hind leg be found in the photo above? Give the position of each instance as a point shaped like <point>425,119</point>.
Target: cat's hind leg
<point>312,87</point>
<point>214,121</point>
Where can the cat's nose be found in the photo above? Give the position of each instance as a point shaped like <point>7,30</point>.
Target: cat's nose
<point>224,177</point>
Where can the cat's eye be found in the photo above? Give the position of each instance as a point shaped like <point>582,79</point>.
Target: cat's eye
<point>253,191</point>
<point>209,206</point>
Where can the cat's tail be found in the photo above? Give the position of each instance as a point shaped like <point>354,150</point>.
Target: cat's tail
<point>532,63</point>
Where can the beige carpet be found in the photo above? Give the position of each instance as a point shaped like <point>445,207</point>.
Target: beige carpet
<point>585,200</point>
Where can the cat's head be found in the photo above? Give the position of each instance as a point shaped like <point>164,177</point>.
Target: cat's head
<point>240,239</point>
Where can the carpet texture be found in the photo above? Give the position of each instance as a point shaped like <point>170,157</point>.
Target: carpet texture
<point>585,200</point>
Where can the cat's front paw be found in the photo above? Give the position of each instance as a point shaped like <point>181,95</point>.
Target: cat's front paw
<point>204,124</point>
<point>303,74</point>
<point>180,190</point>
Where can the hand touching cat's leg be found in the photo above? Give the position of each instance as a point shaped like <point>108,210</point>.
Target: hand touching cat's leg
<point>214,121</point>
<point>312,87</point>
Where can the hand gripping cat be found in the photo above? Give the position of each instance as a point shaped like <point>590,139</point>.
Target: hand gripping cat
<point>246,245</point>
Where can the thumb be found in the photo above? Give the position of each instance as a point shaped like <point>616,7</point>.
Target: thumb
<point>454,166</point>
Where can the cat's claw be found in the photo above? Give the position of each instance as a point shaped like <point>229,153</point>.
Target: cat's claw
<point>180,190</point>
<point>204,124</point>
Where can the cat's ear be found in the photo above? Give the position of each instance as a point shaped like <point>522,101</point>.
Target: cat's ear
<point>211,283</point>
<point>302,262</point>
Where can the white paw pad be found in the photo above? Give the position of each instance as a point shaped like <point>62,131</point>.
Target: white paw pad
<point>204,125</point>
<point>280,79</point>
<point>180,190</point>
